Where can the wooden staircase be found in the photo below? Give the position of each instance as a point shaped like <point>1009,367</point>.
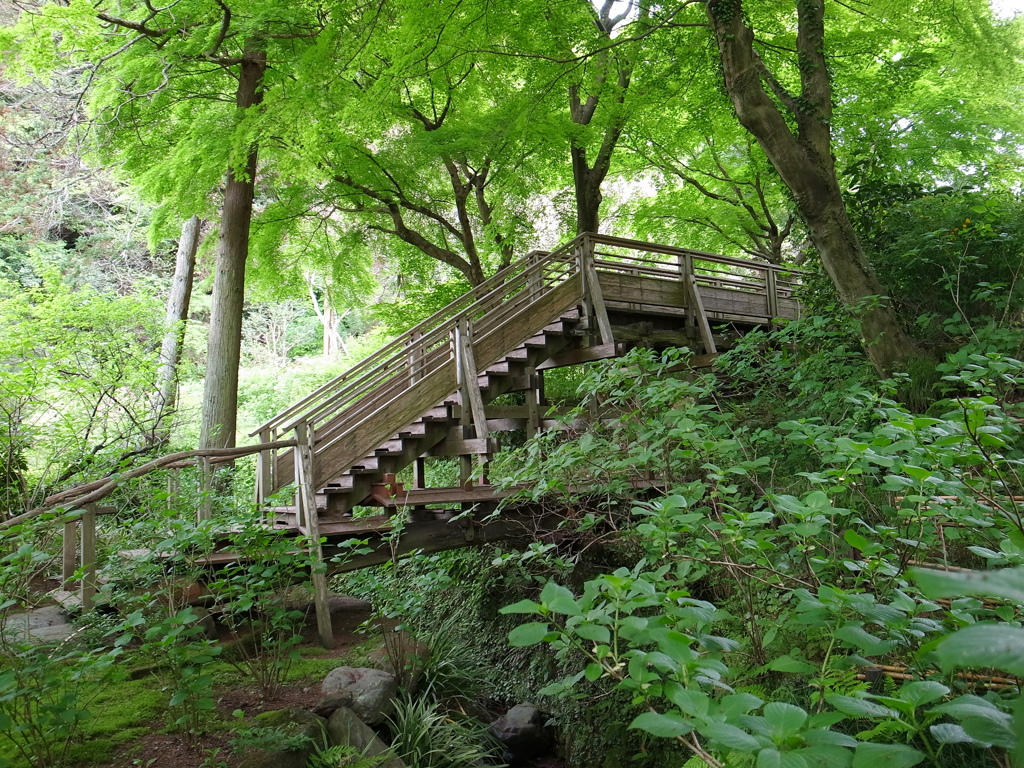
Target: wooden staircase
<point>427,392</point>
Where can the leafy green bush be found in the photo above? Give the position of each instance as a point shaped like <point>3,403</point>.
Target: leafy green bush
<point>44,689</point>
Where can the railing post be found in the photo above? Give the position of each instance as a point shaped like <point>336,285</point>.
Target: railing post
<point>534,278</point>
<point>173,488</point>
<point>771,287</point>
<point>306,476</point>
<point>415,357</point>
<point>685,261</point>
<point>70,554</point>
<point>88,556</point>
<point>264,470</point>
<point>205,511</point>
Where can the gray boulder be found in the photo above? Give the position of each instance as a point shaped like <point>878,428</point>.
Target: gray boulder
<point>525,733</point>
<point>292,735</point>
<point>46,626</point>
<point>369,693</point>
<point>347,730</point>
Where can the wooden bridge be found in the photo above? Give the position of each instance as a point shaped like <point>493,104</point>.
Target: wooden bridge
<point>431,393</point>
<point>428,392</point>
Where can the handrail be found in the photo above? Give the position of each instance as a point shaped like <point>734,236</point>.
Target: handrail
<point>88,493</point>
<point>480,292</point>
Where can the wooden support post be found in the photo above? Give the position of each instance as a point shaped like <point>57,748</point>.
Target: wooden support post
<point>70,553</point>
<point>470,380</point>
<point>205,511</point>
<point>173,489</point>
<point>534,278</point>
<point>685,261</point>
<point>772,287</point>
<point>533,404</point>
<point>702,319</point>
<point>307,498</point>
<point>264,470</point>
<point>592,291</point>
<point>419,480</point>
<point>88,556</point>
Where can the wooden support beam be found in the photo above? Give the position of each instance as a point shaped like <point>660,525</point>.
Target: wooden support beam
<point>772,287</point>
<point>205,511</point>
<point>88,556</point>
<point>583,355</point>
<point>593,294</point>
<point>466,447</point>
<point>470,383</point>
<point>702,319</point>
<point>657,337</point>
<point>70,554</point>
<point>307,505</point>
<point>264,470</point>
<point>533,405</point>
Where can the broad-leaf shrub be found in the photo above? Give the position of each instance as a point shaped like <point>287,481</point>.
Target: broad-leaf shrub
<point>44,688</point>
<point>794,536</point>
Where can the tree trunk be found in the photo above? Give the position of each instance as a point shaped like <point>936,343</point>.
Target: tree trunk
<point>220,394</point>
<point>177,315</point>
<point>805,163</point>
<point>588,194</point>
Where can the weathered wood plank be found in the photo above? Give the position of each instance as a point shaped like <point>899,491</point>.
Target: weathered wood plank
<point>465,447</point>
<point>641,290</point>
<point>469,379</point>
<point>491,347</point>
<point>583,355</point>
<point>363,437</point>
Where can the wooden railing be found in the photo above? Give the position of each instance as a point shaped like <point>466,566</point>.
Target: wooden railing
<point>346,418</point>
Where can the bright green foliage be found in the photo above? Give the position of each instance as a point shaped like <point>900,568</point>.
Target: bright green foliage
<point>427,737</point>
<point>79,366</point>
<point>811,523</point>
<point>263,609</point>
<point>45,690</point>
<point>953,261</point>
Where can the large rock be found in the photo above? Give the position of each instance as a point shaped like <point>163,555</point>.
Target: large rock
<point>45,626</point>
<point>281,727</point>
<point>347,730</point>
<point>369,693</point>
<point>525,733</point>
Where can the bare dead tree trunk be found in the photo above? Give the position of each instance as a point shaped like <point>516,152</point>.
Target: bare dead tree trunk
<point>220,394</point>
<point>177,315</point>
<point>804,161</point>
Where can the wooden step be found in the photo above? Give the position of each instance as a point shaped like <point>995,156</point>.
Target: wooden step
<point>340,483</point>
<point>390,448</point>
